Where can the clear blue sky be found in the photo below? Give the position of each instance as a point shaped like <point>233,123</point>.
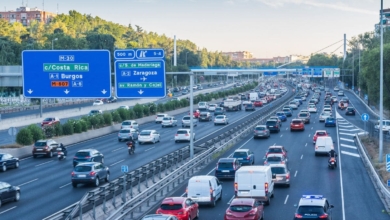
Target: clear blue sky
<point>264,27</point>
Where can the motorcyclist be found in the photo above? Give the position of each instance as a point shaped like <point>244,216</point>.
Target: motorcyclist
<point>333,154</point>
<point>63,149</point>
<point>342,105</point>
<point>131,141</point>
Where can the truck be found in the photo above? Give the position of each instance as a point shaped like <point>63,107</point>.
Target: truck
<point>232,104</point>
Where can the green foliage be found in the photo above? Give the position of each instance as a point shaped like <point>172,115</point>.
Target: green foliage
<point>145,110</point>
<point>87,121</point>
<point>107,118</point>
<point>152,108</point>
<point>124,114</point>
<point>36,132</point>
<point>131,114</point>
<point>49,131</point>
<point>84,125</point>
<point>100,121</point>
<point>67,128</point>
<point>77,127</point>
<point>116,117</point>
<point>138,110</point>
<point>160,107</point>
<point>24,137</point>
<point>58,129</point>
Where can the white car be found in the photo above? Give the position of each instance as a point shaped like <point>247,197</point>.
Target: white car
<point>169,121</point>
<point>327,106</point>
<point>97,102</point>
<point>293,105</point>
<point>130,124</point>
<point>340,93</point>
<point>328,110</point>
<point>324,116</point>
<point>151,136</point>
<point>264,101</point>
<point>336,89</point>
<point>160,117</point>
<point>212,107</point>
<point>221,119</point>
<point>334,99</point>
<point>126,133</point>
<point>186,121</point>
<point>312,109</point>
<point>305,111</point>
<point>184,135</point>
<point>124,107</point>
<point>303,98</point>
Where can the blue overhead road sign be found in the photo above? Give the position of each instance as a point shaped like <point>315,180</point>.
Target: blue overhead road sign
<point>150,54</point>
<point>388,162</point>
<point>66,73</point>
<point>365,117</point>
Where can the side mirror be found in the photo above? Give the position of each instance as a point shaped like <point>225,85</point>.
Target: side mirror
<point>331,206</point>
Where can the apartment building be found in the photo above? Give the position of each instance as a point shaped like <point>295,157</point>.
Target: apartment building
<point>25,15</point>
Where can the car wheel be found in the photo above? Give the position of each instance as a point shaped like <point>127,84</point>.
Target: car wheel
<point>74,185</point>
<point>254,137</point>
<point>215,124</point>
<point>97,181</point>
<point>107,179</point>
<point>214,203</point>
<point>102,160</point>
<point>119,140</point>
<point>3,168</point>
<point>182,126</point>
<point>197,214</point>
<point>176,141</point>
<point>268,202</point>
<point>288,185</point>
<point>51,154</point>
<point>140,143</point>
<point>162,126</point>
<point>220,196</point>
<point>17,196</point>
<point>35,156</point>
<point>17,164</point>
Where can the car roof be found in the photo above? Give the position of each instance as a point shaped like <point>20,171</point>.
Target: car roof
<point>87,164</point>
<point>86,150</point>
<point>264,126</point>
<point>278,165</point>
<point>297,119</point>
<point>242,201</point>
<point>227,159</point>
<point>275,146</point>
<point>312,201</point>
<point>321,131</point>
<point>147,130</point>
<point>173,200</point>
<point>241,150</point>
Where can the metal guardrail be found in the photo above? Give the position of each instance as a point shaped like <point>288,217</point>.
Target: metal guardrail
<point>384,193</point>
<point>150,170</point>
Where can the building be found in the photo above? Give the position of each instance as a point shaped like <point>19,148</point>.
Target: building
<point>25,15</point>
<point>239,55</point>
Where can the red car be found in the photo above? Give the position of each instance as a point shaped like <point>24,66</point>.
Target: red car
<point>276,150</point>
<point>297,124</point>
<point>50,121</point>
<point>196,113</point>
<point>258,103</point>
<point>319,133</point>
<point>181,207</point>
<point>244,209</point>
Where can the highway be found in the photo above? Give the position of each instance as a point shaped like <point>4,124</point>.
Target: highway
<point>5,138</point>
<point>45,182</point>
<point>348,187</point>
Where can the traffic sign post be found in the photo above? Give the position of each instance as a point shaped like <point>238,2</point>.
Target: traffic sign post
<point>336,72</point>
<point>124,169</point>
<point>66,73</point>
<point>388,162</point>
<point>388,183</point>
<point>12,132</point>
<point>140,73</point>
<point>365,118</point>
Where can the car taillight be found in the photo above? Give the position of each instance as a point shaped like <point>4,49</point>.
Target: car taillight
<point>323,216</point>
<point>265,162</point>
<point>176,135</point>
<point>282,162</point>
<point>288,176</point>
<point>251,213</point>
<point>87,157</point>
<point>266,188</point>
<point>73,174</point>
<point>186,134</point>
<point>92,173</point>
<point>235,186</point>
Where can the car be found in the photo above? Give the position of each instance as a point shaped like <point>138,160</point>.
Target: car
<point>276,149</point>
<point>261,131</point>
<point>87,155</point>
<point>312,109</point>
<point>334,99</point>
<point>313,207</point>
<point>226,168</point>
<point>319,133</point>
<point>304,111</point>
<point>130,124</point>
<point>8,161</point>
<point>245,156</point>
<point>244,208</point>
<point>195,113</point>
<point>340,93</point>
<point>250,107</point>
<point>50,121</point>
<point>45,147</point>
<point>297,124</point>
<point>126,133</point>
<point>205,116</point>
<point>181,207</point>
<point>90,172</point>
<point>293,105</point>
<point>350,111</point>
<point>9,193</point>
<point>221,119</point>
<point>277,119</point>
<point>345,99</point>
<point>258,103</point>
<point>305,117</point>
<point>328,106</point>
<point>168,121</point>
<point>330,121</point>
<point>273,125</point>
<point>219,111</point>
<point>275,159</point>
<point>160,117</point>
<point>126,107</point>
<point>336,89</point>
<point>186,121</point>
<point>159,217</point>
<point>184,92</point>
<point>175,99</point>
<point>97,102</point>
<point>151,136</point>
<point>323,116</point>
<point>287,112</point>
<point>264,100</point>
<point>280,174</point>
<point>112,99</point>
<point>183,135</point>
<point>327,110</point>
<point>316,100</point>
<point>212,107</point>
<point>288,107</point>
<point>281,116</point>
<point>312,102</point>
<point>95,112</point>
<point>342,104</point>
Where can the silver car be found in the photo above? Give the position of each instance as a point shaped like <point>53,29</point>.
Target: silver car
<point>340,93</point>
<point>261,131</point>
<point>186,121</point>
<point>130,124</point>
<point>280,174</point>
<point>275,159</point>
<point>221,119</point>
<point>169,121</point>
<point>90,172</point>
<point>324,116</point>
<point>151,136</point>
<point>126,133</point>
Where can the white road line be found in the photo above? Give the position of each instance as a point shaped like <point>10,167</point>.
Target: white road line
<point>346,139</point>
<point>346,126</point>
<point>28,182</point>
<point>348,146</point>
<point>296,172</point>
<point>344,123</point>
<point>231,200</point>
<point>274,144</point>
<point>341,129</point>
<point>44,163</point>
<point>25,159</point>
<point>301,156</point>
<point>116,163</point>
<point>117,149</point>
<point>64,185</point>
<point>341,173</point>
<point>309,135</point>
<point>149,149</point>
<point>286,128</point>
<point>285,201</point>
<point>7,210</point>
<point>305,144</point>
<point>351,154</point>
<point>352,135</point>
<point>281,135</point>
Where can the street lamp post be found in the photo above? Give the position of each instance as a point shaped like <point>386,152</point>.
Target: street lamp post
<point>381,90</point>
<point>52,43</point>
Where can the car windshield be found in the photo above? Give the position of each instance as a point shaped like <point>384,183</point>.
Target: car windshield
<point>124,131</point>
<point>1,156</point>
<point>126,123</point>
<point>145,133</point>
<point>271,122</point>
<point>296,122</point>
<point>240,154</point>
<point>275,150</point>
<point>278,170</point>
<point>225,165</point>
<point>82,154</point>
<point>274,158</point>
<point>310,210</point>
<point>280,114</point>
<point>220,117</point>
<point>82,168</point>
<point>94,111</point>
<point>166,119</point>
<point>97,101</point>
<point>186,118</point>
<point>303,115</point>
<point>40,143</point>
<point>171,206</point>
<point>182,132</point>
<point>203,114</point>
<point>260,128</point>
<point>330,119</point>
<point>160,116</point>
<point>321,133</point>
<point>218,109</point>
<point>48,119</point>
<point>240,208</point>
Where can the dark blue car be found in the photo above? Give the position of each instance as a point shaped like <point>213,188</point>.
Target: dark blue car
<point>244,156</point>
<point>281,116</point>
<point>330,122</point>
<point>227,167</point>
<point>287,112</point>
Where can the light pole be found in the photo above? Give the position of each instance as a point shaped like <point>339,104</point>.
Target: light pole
<point>52,43</point>
<point>381,91</point>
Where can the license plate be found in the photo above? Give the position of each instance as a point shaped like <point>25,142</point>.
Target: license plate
<point>279,178</point>
<point>271,126</point>
<point>244,192</point>
<point>332,163</point>
<point>39,149</point>
<point>81,175</point>
<point>225,171</point>
<point>240,159</point>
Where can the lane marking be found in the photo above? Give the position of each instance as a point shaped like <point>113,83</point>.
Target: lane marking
<point>309,135</point>
<point>25,159</point>
<point>346,126</point>
<point>305,144</point>
<point>301,156</point>
<point>117,149</point>
<point>149,149</point>
<point>230,201</point>
<point>64,185</point>
<point>116,163</point>
<point>341,171</point>
<point>349,153</point>
<point>348,146</point>
<point>347,134</point>
<point>341,129</point>
<point>274,144</point>
<point>285,201</point>
<point>346,139</point>
<point>286,129</point>
<point>7,210</point>
<point>311,128</point>
<point>28,182</point>
<point>44,163</point>
<point>296,172</point>
<point>344,123</point>
<point>281,135</point>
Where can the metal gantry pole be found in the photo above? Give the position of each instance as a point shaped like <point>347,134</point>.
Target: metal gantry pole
<point>192,116</point>
<point>381,91</point>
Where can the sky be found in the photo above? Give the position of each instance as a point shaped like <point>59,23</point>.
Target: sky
<point>267,28</point>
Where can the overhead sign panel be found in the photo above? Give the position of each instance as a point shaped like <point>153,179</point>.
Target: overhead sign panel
<point>307,72</point>
<point>66,73</point>
<point>328,73</point>
<point>336,72</point>
<point>317,72</point>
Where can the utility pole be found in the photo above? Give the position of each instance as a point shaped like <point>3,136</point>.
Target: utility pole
<point>381,91</point>
<point>353,70</point>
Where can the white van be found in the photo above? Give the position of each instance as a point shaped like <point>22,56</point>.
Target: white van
<point>204,189</point>
<point>253,96</point>
<point>254,182</point>
<point>203,106</point>
<point>385,126</point>
<point>323,145</point>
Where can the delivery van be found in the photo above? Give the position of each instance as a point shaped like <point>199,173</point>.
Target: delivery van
<point>254,182</point>
<point>323,145</point>
<point>204,189</point>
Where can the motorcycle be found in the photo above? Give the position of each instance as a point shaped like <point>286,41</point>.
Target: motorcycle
<point>332,163</point>
<point>130,148</point>
<point>60,154</point>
